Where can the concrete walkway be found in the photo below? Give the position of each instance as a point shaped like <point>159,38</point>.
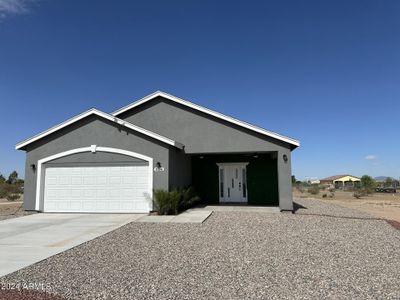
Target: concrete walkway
<point>30,239</point>
<point>243,208</point>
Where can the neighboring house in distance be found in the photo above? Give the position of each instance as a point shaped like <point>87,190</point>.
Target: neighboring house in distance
<point>100,162</point>
<point>313,180</point>
<point>341,181</point>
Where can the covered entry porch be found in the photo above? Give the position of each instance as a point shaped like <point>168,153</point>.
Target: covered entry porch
<point>240,179</point>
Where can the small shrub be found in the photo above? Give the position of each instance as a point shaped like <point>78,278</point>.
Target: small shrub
<point>300,188</point>
<point>332,190</point>
<point>360,193</point>
<point>175,197</point>
<point>331,195</point>
<point>167,203</point>
<point>11,192</point>
<point>161,201</point>
<point>324,195</point>
<point>314,190</point>
<point>189,198</point>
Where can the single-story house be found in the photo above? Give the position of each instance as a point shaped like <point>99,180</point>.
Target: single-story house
<point>100,162</point>
<point>341,181</point>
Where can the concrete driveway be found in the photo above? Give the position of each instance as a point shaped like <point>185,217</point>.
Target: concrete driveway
<point>30,239</point>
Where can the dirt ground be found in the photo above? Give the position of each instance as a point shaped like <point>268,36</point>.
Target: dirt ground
<point>380,205</point>
<point>9,209</point>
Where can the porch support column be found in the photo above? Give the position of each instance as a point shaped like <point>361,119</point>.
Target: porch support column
<point>285,180</point>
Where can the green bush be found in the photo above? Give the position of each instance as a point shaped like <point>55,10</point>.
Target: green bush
<point>175,197</point>
<point>171,203</point>
<point>11,192</point>
<point>189,198</point>
<point>161,201</point>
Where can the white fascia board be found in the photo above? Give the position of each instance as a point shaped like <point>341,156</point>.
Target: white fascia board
<point>104,115</point>
<point>210,112</point>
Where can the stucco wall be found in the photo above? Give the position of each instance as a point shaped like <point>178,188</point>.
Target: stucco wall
<point>202,133</point>
<point>93,131</point>
<point>180,169</point>
<point>199,132</point>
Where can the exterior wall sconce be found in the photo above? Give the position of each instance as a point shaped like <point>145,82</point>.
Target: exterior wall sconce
<point>158,167</point>
<point>285,158</point>
<point>33,167</point>
<point>201,157</point>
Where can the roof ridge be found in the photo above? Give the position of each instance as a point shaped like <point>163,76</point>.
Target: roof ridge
<point>198,107</point>
<point>103,115</point>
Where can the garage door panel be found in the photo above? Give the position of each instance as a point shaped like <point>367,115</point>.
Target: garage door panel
<point>96,189</point>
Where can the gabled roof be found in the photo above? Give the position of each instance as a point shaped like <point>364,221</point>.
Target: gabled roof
<point>104,115</point>
<point>336,177</point>
<point>275,135</point>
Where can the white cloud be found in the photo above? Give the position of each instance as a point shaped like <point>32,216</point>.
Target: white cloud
<point>371,157</point>
<point>8,7</point>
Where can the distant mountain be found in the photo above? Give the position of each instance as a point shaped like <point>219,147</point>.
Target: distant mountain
<point>381,178</point>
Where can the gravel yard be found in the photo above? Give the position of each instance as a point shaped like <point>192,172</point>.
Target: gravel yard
<point>324,251</point>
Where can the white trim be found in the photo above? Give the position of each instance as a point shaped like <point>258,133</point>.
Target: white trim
<point>104,115</point>
<point>210,112</point>
<point>89,149</point>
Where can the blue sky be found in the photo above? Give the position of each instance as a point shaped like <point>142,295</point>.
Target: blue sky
<point>324,72</point>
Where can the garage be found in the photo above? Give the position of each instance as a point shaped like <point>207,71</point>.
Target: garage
<point>97,189</point>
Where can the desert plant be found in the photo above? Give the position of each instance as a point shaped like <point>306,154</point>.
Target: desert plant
<point>166,203</point>
<point>161,201</point>
<point>11,192</point>
<point>12,178</point>
<point>388,182</point>
<point>175,197</point>
<point>324,195</point>
<point>189,198</point>
<point>368,184</point>
<point>359,193</point>
<point>300,188</point>
<point>313,190</point>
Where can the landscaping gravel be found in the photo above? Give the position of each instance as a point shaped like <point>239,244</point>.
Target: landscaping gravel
<point>322,251</point>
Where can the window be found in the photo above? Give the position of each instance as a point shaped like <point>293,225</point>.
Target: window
<point>221,180</point>
<point>244,182</point>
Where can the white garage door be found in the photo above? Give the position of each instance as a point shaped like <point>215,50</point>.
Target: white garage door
<point>97,189</point>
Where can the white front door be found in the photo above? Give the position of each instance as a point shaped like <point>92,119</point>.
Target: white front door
<point>232,182</point>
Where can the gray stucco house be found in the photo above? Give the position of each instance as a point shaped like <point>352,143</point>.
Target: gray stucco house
<point>100,162</point>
